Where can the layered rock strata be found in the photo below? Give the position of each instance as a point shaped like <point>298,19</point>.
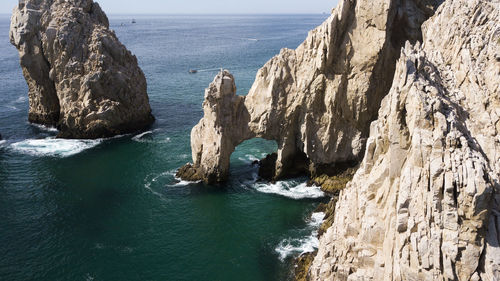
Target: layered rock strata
<point>424,204</point>
<point>317,101</point>
<point>80,77</point>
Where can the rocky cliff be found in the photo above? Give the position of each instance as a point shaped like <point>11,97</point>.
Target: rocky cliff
<point>317,101</point>
<point>424,204</point>
<point>80,77</point>
<point>425,201</point>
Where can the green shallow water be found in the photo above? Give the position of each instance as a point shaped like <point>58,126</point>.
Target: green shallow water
<point>112,209</point>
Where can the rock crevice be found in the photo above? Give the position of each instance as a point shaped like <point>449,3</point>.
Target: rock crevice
<point>424,203</point>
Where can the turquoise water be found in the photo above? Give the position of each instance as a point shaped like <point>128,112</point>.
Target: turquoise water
<point>112,209</point>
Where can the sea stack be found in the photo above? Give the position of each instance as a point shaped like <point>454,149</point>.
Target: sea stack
<point>81,79</point>
<point>216,136</point>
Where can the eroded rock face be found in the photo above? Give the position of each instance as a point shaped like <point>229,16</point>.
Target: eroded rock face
<point>317,101</point>
<point>80,77</point>
<point>424,204</point>
<point>216,136</point>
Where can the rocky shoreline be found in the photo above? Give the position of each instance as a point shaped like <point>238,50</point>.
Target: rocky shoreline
<point>391,106</point>
<point>397,101</point>
<point>332,187</point>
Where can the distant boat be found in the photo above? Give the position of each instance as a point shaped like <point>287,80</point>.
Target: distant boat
<point>133,21</point>
<point>193,71</point>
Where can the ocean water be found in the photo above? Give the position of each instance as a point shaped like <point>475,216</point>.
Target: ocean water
<point>113,210</point>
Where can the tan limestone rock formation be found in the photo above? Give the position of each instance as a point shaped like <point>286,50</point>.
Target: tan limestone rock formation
<point>424,204</point>
<point>80,77</point>
<point>317,101</point>
<point>217,135</point>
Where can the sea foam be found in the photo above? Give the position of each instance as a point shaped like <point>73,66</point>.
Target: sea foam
<point>45,128</point>
<point>141,135</point>
<point>53,147</point>
<point>249,159</point>
<point>290,189</point>
<point>302,245</point>
<point>149,137</point>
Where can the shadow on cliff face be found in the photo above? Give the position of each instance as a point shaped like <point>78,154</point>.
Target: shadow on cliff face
<point>317,102</point>
<point>62,41</point>
<point>405,20</point>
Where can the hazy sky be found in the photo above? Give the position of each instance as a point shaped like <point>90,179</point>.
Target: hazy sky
<point>203,6</point>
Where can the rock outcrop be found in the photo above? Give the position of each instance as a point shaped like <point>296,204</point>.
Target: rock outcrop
<point>424,204</point>
<point>80,77</point>
<point>425,201</point>
<point>317,101</point>
<point>217,135</point>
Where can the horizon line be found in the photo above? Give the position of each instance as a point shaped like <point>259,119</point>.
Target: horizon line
<point>204,14</point>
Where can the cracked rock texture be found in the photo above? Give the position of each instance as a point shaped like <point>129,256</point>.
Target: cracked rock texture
<point>424,204</point>
<point>80,77</point>
<point>216,132</point>
<point>317,101</point>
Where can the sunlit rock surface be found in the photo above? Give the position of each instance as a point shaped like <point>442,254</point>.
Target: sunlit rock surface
<point>424,204</point>
<point>80,77</point>
<point>317,101</point>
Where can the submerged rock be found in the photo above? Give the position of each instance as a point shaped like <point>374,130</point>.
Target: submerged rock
<point>424,204</point>
<point>317,101</point>
<point>80,77</point>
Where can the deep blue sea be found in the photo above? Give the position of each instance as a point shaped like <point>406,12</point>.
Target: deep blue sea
<point>112,209</point>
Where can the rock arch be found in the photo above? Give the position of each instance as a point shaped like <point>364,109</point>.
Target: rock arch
<point>316,102</point>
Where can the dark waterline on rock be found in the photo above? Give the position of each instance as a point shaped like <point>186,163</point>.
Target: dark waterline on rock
<point>112,209</point>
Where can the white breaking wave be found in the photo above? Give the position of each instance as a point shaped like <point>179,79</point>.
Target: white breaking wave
<point>290,189</point>
<point>169,174</point>
<point>147,137</point>
<point>317,219</point>
<point>53,147</point>
<point>181,182</point>
<point>299,246</point>
<point>252,158</point>
<point>2,142</point>
<point>139,136</point>
<point>248,159</point>
<point>45,128</point>
<point>308,244</point>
